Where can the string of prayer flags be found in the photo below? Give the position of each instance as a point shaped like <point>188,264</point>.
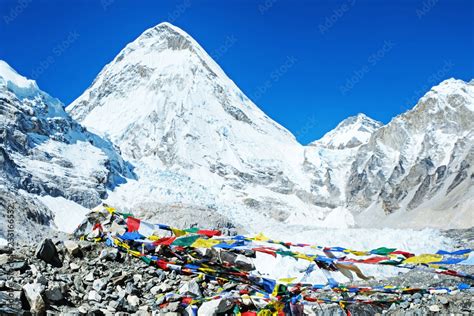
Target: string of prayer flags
<point>212,256</point>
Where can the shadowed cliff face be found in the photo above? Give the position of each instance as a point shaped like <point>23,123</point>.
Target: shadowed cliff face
<point>420,156</point>
<point>45,152</point>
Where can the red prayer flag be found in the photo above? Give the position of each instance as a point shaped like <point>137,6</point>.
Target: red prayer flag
<point>97,226</point>
<point>164,241</point>
<point>209,233</point>
<point>265,250</point>
<point>133,224</point>
<point>403,253</point>
<point>162,264</point>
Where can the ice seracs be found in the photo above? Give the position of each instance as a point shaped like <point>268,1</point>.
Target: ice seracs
<point>10,79</point>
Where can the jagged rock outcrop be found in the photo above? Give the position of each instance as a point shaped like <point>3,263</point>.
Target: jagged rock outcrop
<point>43,151</point>
<point>420,156</point>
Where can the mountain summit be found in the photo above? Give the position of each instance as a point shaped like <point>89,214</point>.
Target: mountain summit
<point>352,132</point>
<point>165,86</point>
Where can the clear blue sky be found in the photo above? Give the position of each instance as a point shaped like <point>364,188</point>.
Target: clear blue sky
<point>307,64</point>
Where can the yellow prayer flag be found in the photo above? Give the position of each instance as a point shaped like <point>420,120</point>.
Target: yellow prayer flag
<point>206,270</point>
<point>424,258</point>
<point>357,253</point>
<point>109,209</point>
<point>204,243</point>
<point>303,256</point>
<point>286,280</point>
<point>178,232</point>
<point>261,237</point>
<point>135,253</point>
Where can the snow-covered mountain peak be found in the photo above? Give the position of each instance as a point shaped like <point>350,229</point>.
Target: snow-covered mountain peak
<point>454,92</point>
<point>15,82</point>
<point>28,91</point>
<point>448,105</point>
<point>161,37</point>
<point>165,82</point>
<point>352,132</point>
<point>166,45</point>
<point>360,120</point>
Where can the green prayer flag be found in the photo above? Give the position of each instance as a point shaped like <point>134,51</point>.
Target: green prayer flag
<point>192,230</point>
<point>185,241</point>
<point>285,253</point>
<point>382,251</point>
<point>146,259</point>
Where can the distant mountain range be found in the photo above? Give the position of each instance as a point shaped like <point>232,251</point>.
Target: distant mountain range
<point>164,132</point>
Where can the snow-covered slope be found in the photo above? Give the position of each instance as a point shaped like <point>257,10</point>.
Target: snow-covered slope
<point>45,152</point>
<point>198,143</point>
<point>194,137</point>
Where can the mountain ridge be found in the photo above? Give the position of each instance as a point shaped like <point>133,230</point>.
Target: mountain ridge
<point>316,179</point>
<point>172,134</point>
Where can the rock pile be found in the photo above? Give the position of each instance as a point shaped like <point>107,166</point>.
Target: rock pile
<point>78,278</point>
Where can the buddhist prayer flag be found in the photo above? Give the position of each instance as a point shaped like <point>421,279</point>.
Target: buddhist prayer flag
<point>171,248</point>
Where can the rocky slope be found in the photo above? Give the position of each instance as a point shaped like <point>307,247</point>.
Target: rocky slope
<point>45,152</point>
<point>79,277</point>
<point>420,165</point>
